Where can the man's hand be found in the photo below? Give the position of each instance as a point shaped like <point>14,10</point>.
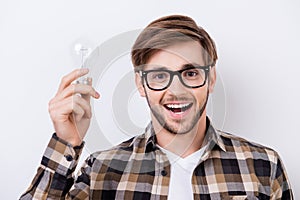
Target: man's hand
<point>70,109</point>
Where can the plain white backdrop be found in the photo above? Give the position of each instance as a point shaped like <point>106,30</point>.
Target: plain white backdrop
<point>258,71</point>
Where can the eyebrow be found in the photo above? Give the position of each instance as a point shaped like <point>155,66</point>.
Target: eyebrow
<point>185,66</point>
<point>189,65</point>
<point>157,67</point>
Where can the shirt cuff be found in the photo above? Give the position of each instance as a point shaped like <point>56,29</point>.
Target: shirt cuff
<point>61,157</point>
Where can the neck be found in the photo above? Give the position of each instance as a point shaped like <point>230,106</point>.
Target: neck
<point>181,144</point>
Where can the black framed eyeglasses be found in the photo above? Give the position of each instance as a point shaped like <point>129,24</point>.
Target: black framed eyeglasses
<point>160,79</point>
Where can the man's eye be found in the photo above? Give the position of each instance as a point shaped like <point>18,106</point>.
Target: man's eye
<point>191,73</point>
<point>159,76</point>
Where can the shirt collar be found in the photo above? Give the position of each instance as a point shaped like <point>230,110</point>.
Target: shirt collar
<point>212,137</point>
<point>150,138</point>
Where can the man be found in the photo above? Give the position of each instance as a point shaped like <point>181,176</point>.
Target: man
<point>180,155</point>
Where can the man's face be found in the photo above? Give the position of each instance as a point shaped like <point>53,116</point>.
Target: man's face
<point>177,108</point>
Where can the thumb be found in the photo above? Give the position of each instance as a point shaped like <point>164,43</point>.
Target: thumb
<point>87,97</point>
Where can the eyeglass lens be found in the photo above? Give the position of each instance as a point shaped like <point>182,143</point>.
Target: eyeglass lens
<point>158,79</point>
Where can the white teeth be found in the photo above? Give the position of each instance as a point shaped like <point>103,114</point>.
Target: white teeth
<point>177,105</point>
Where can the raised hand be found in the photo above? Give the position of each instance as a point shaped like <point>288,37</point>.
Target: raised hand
<point>70,109</point>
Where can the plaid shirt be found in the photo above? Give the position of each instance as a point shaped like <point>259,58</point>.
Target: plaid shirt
<point>230,168</point>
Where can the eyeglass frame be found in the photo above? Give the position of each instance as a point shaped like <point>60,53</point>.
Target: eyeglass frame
<point>143,74</point>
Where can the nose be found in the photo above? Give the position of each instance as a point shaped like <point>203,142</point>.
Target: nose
<point>176,87</point>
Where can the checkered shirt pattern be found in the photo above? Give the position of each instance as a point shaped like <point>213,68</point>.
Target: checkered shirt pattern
<point>230,168</point>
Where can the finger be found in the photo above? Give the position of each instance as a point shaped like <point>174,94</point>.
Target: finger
<point>94,94</point>
<point>78,112</point>
<point>69,78</point>
<point>84,105</point>
<point>82,89</point>
<point>62,109</point>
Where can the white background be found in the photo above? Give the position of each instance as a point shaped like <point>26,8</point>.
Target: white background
<point>257,43</point>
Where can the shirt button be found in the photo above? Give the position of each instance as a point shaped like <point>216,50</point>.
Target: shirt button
<point>164,172</point>
<point>69,157</point>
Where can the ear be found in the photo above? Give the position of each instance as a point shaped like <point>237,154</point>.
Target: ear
<point>139,85</point>
<point>212,79</point>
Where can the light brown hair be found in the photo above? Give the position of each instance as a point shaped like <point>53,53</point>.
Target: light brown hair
<point>167,31</point>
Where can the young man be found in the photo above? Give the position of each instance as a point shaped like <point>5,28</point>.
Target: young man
<point>180,155</point>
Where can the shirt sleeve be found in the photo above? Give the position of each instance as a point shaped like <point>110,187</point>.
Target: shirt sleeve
<point>55,175</point>
<point>280,184</point>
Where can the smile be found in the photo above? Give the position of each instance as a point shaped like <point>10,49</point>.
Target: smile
<point>178,108</point>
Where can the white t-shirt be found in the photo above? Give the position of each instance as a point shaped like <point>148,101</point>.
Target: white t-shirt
<point>181,174</point>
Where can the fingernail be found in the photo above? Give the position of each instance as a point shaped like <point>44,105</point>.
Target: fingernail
<point>84,70</point>
<point>97,95</point>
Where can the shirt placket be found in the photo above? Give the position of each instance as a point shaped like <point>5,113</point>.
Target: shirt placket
<point>161,181</point>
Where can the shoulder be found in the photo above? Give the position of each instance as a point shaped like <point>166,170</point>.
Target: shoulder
<point>122,150</point>
<point>246,148</point>
<point>260,163</point>
<point>117,158</point>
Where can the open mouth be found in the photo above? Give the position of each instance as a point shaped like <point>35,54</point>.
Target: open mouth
<point>178,108</point>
